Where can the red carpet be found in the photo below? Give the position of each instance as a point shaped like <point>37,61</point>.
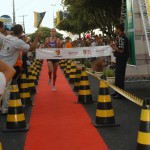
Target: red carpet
<point>59,124</point>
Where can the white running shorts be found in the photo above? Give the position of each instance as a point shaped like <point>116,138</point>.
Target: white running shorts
<point>2,83</point>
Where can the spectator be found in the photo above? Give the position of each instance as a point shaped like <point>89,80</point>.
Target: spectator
<point>2,36</point>
<point>93,42</point>
<point>99,40</point>
<point>12,44</point>
<point>11,47</point>
<point>68,43</point>
<point>121,53</point>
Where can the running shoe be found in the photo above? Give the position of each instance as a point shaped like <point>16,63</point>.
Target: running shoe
<point>49,82</point>
<point>54,88</point>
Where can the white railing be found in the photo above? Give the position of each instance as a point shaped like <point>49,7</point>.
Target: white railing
<point>145,20</point>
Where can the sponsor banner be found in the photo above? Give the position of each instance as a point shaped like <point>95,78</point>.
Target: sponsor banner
<point>130,31</point>
<point>73,53</point>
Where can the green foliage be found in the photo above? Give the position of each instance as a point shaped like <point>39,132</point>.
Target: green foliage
<point>108,72</point>
<point>85,15</point>
<point>88,64</point>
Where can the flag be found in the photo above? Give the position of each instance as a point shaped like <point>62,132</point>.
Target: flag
<point>57,17</point>
<point>38,17</point>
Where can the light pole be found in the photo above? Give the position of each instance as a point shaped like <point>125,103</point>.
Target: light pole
<point>53,12</point>
<point>14,19</point>
<point>23,21</point>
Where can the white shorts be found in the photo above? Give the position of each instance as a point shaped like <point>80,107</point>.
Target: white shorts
<point>2,83</point>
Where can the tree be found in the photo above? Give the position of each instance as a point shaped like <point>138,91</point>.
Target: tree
<point>85,15</point>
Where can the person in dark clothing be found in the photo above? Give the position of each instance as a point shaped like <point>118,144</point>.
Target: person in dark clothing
<point>121,52</point>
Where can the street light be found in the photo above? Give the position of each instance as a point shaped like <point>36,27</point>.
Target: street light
<point>53,12</point>
<point>23,21</point>
<point>14,19</point>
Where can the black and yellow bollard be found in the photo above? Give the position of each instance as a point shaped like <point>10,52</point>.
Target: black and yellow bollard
<point>104,112</point>
<point>62,64</point>
<point>1,146</point>
<point>68,68</point>
<point>37,69</point>
<point>59,62</point>
<point>34,74</point>
<point>15,117</point>
<point>65,67</point>
<point>24,90</point>
<point>30,81</point>
<point>85,96</point>
<point>143,140</point>
<point>72,75</point>
<point>77,80</point>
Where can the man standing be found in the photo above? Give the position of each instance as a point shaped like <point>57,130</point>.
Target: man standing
<point>121,52</point>
<point>52,42</point>
<point>11,47</point>
<point>12,44</point>
<point>1,33</point>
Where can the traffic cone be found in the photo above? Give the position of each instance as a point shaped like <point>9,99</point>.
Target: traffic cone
<point>15,117</point>
<point>72,75</point>
<point>24,90</point>
<point>65,67</point>
<point>34,74</point>
<point>77,80</point>
<point>1,146</point>
<point>68,68</point>
<point>38,67</point>
<point>104,112</point>
<point>85,96</point>
<point>62,64</point>
<point>59,62</point>
<point>30,81</point>
<point>143,140</point>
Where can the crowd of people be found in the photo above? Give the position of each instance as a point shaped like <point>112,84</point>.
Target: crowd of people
<point>95,40</point>
<point>15,48</point>
<point>120,47</point>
